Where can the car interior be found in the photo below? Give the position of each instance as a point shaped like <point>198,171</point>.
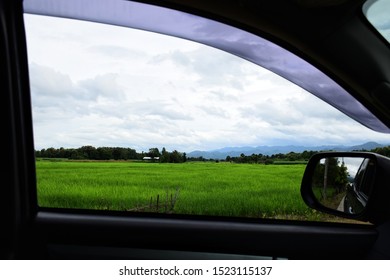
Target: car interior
<point>333,36</point>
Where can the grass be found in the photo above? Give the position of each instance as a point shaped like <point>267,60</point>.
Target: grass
<point>333,196</point>
<point>218,189</point>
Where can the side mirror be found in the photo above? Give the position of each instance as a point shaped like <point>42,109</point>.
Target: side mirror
<point>348,184</point>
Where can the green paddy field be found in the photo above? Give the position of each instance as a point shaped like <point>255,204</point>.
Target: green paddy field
<point>195,188</point>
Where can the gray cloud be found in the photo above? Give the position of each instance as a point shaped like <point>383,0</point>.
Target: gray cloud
<point>378,14</point>
<point>172,94</point>
<point>102,85</point>
<point>49,83</point>
<point>209,64</point>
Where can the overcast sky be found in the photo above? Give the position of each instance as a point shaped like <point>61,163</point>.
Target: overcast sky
<point>100,85</point>
<point>378,14</point>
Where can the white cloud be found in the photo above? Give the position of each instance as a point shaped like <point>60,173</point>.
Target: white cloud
<point>378,14</point>
<point>100,85</point>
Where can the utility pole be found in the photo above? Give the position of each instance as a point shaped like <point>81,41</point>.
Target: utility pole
<point>325,178</point>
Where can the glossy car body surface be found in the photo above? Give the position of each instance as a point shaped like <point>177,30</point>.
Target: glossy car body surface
<point>357,196</point>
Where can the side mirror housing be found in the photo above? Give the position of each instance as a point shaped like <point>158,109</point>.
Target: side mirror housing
<point>353,185</point>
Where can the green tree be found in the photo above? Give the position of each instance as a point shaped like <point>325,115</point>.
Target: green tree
<point>165,157</point>
<point>154,152</point>
<point>176,157</point>
<point>331,176</point>
<point>88,152</point>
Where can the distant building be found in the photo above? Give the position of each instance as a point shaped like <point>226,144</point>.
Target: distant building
<point>151,158</point>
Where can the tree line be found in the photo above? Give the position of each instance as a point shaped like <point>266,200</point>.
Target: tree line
<point>155,155</point>
<point>266,159</point>
<point>112,153</point>
<point>164,156</point>
<point>385,151</point>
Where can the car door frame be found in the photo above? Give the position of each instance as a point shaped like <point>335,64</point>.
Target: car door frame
<point>42,233</point>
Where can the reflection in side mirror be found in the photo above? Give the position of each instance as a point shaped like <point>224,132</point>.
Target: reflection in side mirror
<point>352,185</point>
<point>343,183</point>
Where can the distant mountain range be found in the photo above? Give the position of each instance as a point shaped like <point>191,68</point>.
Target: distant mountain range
<point>271,150</point>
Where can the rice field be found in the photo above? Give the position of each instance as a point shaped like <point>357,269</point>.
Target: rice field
<point>195,188</point>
